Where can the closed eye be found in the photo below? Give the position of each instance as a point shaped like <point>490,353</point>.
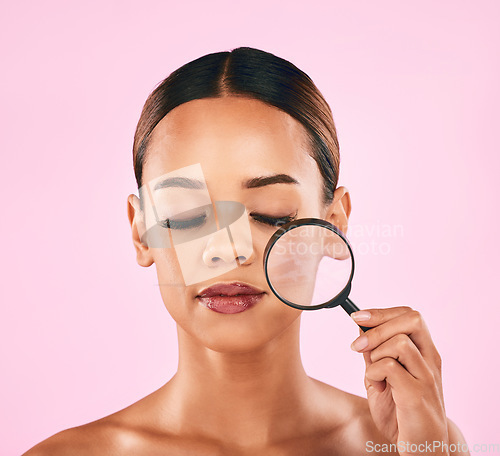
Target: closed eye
<point>184,224</point>
<point>273,221</point>
<point>195,222</point>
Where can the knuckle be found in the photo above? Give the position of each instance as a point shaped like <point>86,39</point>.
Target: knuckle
<point>370,370</point>
<point>406,308</point>
<point>416,319</point>
<point>390,364</point>
<point>378,315</point>
<point>402,342</point>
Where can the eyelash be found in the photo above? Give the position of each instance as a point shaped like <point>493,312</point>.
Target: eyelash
<point>198,221</point>
<point>184,224</point>
<point>273,221</point>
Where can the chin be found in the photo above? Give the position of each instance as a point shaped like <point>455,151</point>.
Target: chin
<point>245,335</point>
<point>247,331</point>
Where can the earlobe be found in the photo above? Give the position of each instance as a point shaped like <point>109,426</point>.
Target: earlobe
<point>340,208</point>
<point>138,225</point>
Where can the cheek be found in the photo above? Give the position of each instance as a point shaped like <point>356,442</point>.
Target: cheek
<point>167,268</point>
<point>170,281</point>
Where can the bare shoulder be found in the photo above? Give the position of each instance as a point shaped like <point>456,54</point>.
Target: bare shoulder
<point>98,437</point>
<point>115,434</point>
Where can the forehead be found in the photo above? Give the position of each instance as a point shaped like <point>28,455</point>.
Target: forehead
<point>233,138</point>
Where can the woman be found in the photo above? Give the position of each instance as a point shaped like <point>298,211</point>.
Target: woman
<point>250,128</point>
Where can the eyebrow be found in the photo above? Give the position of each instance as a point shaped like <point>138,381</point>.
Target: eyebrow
<point>182,182</point>
<point>269,180</point>
<point>256,182</point>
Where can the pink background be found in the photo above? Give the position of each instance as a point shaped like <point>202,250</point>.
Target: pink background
<point>414,89</point>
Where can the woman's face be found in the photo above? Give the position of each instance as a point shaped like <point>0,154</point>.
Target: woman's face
<point>227,142</point>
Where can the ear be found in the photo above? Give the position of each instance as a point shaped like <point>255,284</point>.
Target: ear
<point>138,225</point>
<point>339,209</point>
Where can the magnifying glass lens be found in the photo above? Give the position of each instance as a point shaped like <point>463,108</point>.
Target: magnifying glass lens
<point>309,265</point>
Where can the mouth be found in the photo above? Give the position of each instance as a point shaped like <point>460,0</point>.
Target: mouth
<point>230,298</point>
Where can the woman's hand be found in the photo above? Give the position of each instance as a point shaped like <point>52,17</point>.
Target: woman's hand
<point>403,380</point>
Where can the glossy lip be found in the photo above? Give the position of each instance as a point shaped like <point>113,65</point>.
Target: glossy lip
<point>230,298</point>
<point>229,289</point>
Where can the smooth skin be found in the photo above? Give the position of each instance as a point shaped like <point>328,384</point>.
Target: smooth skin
<point>240,387</point>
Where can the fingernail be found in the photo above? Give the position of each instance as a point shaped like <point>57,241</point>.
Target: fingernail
<point>361,315</point>
<point>360,343</point>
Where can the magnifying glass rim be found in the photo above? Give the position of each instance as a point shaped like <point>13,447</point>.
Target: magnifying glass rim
<point>285,228</point>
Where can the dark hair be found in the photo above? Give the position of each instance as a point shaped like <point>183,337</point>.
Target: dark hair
<point>250,72</point>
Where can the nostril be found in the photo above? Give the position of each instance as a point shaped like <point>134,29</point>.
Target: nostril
<point>242,258</point>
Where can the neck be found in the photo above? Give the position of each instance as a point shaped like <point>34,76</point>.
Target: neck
<point>255,396</point>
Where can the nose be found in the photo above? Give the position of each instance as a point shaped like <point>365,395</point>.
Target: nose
<point>227,246</point>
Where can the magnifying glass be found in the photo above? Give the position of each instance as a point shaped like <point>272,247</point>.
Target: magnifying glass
<point>309,265</point>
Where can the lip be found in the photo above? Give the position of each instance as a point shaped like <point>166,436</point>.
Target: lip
<point>229,298</point>
<point>229,289</point>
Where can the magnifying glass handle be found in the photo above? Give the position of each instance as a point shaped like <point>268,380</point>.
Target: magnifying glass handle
<point>350,307</point>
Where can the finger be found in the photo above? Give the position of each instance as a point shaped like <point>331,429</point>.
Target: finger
<point>379,386</point>
<point>374,317</point>
<point>366,355</point>
<point>410,323</point>
<point>402,349</point>
<point>403,384</point>
<point>367,358</point>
